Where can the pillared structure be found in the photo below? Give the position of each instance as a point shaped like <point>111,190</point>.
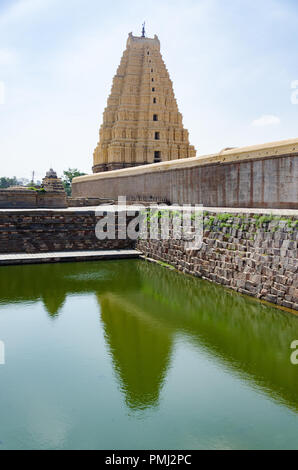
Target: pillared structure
<point>141,123</point>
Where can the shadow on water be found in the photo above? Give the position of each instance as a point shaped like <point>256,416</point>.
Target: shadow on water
<point>145,307</point>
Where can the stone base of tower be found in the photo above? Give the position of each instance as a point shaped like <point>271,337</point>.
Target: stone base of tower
<point>114,166</point>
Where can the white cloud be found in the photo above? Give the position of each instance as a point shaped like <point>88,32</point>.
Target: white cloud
<point>21,9</point>
<point>266,120</point>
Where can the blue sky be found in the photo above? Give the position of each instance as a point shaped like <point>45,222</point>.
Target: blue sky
<point>232,63</point>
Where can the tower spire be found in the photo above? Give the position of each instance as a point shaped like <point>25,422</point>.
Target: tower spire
<point>143,30</point>
<point>141,122</point>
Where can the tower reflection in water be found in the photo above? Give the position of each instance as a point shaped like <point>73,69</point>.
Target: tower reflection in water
<point>140,348</point>
<point>144,308</point>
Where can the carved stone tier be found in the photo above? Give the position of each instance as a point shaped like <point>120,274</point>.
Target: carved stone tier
<point>141,123</point>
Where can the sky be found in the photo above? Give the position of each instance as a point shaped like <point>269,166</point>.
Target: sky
<point>233,64</point>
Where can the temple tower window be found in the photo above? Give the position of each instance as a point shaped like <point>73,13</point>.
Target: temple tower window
<point>157,157</point>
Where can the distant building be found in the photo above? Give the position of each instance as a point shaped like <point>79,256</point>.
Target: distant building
<point>52,183</point>
<point>141,123</point>
<point>50,195</point>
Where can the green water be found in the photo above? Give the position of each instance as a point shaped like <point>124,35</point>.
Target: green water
<point>129,355</point>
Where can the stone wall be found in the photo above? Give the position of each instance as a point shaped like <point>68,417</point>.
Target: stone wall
<point>252,254</point>
<point>45,231</point>
<point>264,176</point>
<point>249,253</point>
<point>87,202</point>
<point>26,199</point>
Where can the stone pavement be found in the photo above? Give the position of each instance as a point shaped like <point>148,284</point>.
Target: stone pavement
<point>59,257</point>
<point>106,208</point>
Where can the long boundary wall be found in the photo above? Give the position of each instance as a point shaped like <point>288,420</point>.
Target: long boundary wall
<point>263,176</point>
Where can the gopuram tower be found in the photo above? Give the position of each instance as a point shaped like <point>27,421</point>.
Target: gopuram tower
<point>141,123</point>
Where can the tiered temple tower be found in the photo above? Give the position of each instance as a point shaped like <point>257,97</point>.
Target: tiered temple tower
<point>141,123</point>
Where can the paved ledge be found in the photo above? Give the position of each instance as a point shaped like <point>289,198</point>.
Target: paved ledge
<point>239,210</point>
<point>69,256</point>
<point>228,210</point>
<point>46,211</point>
<point>106,208</point>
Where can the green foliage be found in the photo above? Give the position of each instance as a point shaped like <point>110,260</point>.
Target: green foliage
<point>222,225</point>
<point>210,221</point>
<point>69,175</point>
<point>292,223</point>
<point>264,219</point>
<point>7,182</point>
<point>230,221</point>
<point>224,217</point>
<point>38,190</point>
<point>165,265</point>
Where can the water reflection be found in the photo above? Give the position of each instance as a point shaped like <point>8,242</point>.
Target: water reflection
<point>140,350</point>
<point>144,307</point>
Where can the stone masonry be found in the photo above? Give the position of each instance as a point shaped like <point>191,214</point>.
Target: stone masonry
<point>50,195</point>
<point>45,231</point>
<point>141,123</point>
<point>252,254</point>
<point>52,183</point>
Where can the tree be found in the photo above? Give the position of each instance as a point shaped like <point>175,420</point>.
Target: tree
<point>68,177</point>
<point>7,182</point>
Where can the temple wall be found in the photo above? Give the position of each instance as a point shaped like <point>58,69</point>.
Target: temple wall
<point>254,177</point>
<point>42,231</point>
<point>31,199</point>
<point>252,254</point>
